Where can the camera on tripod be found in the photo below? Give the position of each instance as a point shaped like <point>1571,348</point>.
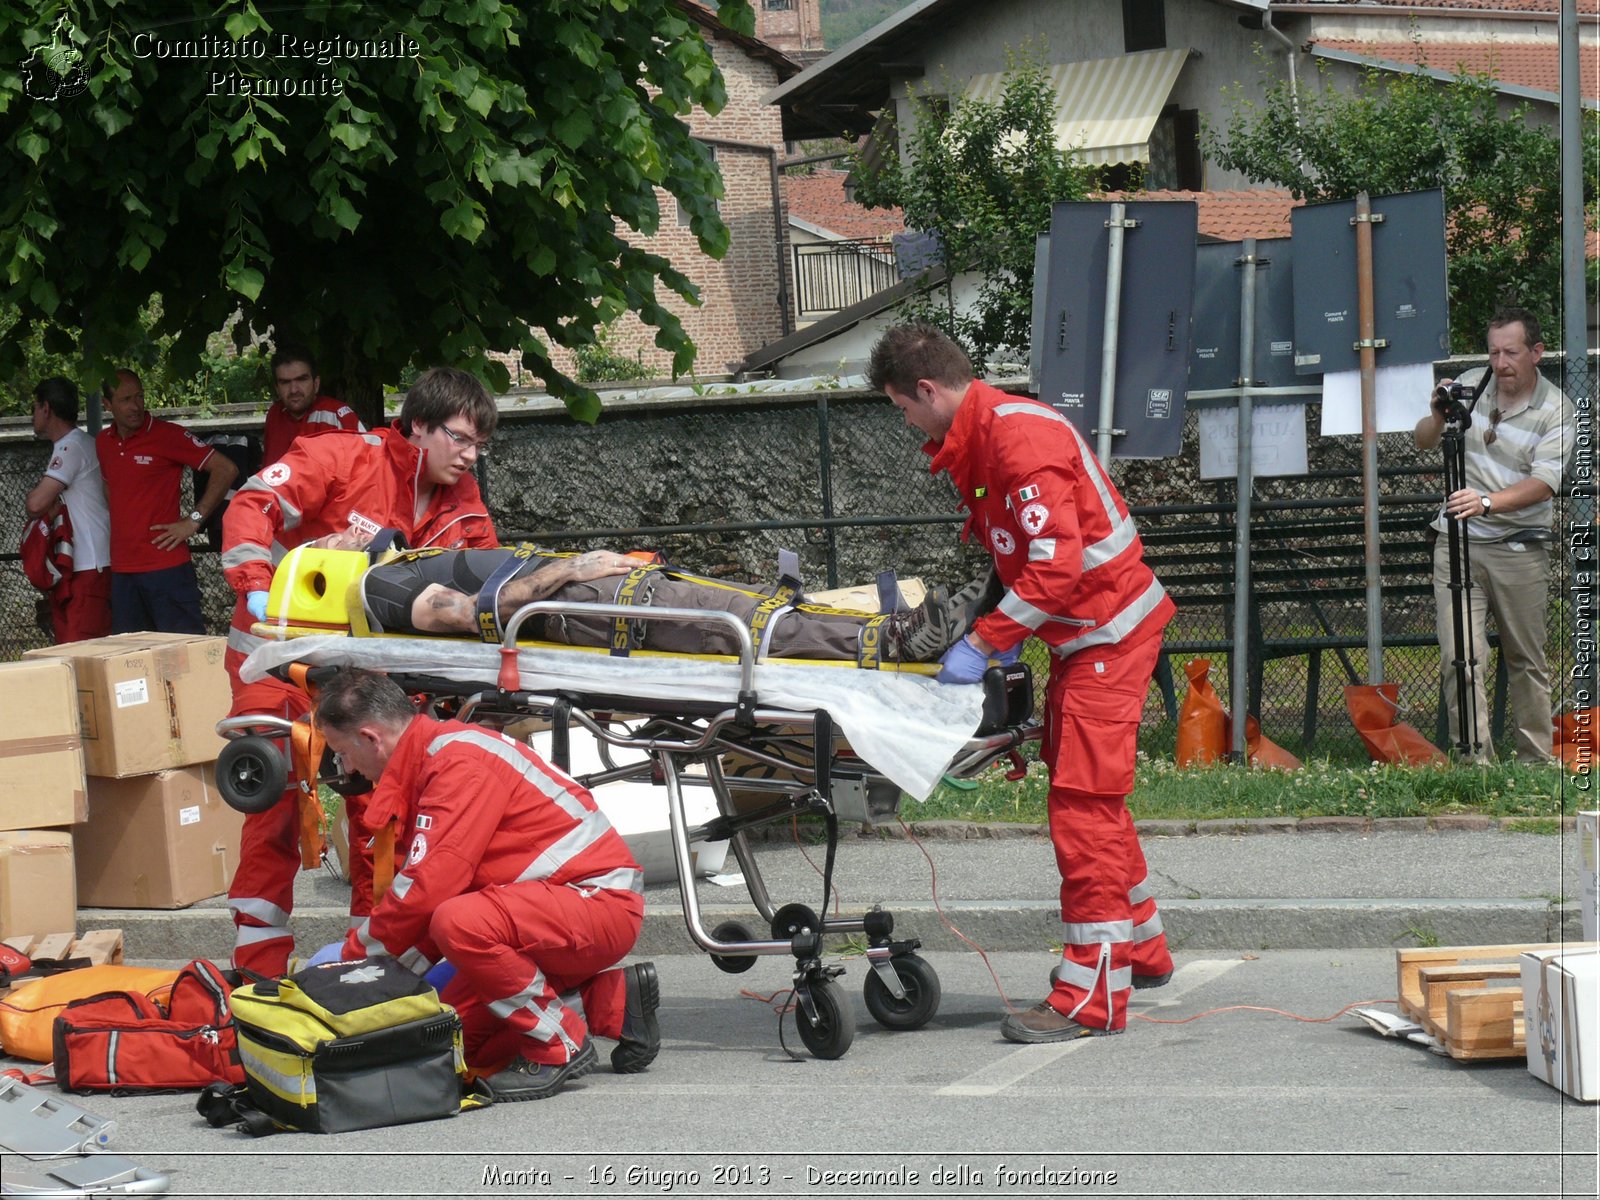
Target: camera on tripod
<point>1452,402</point>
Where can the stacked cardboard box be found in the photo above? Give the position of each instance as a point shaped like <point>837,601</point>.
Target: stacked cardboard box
<point>41,785</point>
<point>157,834</point>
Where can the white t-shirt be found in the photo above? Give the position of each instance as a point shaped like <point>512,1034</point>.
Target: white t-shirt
<point>73,461</point>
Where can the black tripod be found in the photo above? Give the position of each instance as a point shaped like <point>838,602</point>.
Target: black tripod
<point>1457,419</point>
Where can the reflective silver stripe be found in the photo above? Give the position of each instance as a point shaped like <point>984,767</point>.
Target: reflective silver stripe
<point>1146,930</point>
<point>301,1088</point>
<point>261,910</point>
<point>1087,933</point>
<point>546,1017</point>
<point>244,643</point>
<point>291,515</point>
<point>254,935</point>
<point>556,789</point>
<point>1122,527</point>
<point>321,416</point>
<point>111,1057</point>
<point>573,1000</point>
<point>1121,625</point>
<point>400,885</point>
<point>356,922</point>
<point>1075,974</point>
<point>1031,409</point>
<point>415,961</point>
<point>1140,891</point>
<point>1023,613</point>
<point>625,879</point>
<point>564,849</point>
<point>245,552</point>
<point>1041,549</point>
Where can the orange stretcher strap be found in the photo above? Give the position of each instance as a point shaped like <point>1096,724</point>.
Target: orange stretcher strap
<point>307,745</point>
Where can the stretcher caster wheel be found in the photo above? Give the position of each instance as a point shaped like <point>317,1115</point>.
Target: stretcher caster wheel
<point>830,1035</point>
<point>251,774</point>
<point>791,919</point>
<point>921,984</point>
<point>733,964</point>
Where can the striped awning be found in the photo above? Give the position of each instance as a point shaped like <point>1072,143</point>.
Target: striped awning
<point>1105,108</point>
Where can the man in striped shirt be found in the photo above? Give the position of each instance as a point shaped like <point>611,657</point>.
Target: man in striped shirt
<point>1516,449</point>
<point>511,874</point>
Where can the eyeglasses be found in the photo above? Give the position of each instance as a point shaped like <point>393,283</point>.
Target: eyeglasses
<point>1492,432</point>
<point>462,440</point>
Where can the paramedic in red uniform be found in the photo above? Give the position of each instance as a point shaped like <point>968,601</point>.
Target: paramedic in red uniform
<point>153,584</point>
<point>300,409</point>
<point>414,476</point>
<point>1066,551</point>
<point>512,875</point>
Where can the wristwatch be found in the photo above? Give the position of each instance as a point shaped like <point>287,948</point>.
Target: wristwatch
<point>197,518</point>
<point>1488,505</point>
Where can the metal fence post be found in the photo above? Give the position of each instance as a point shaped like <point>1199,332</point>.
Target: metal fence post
<point>825,482</point>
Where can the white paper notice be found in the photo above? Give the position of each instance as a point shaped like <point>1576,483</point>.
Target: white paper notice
<point>1277,440</point>
<point>1402,393</point>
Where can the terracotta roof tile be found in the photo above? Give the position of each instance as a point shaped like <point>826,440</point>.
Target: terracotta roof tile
<point>819,199</point>
<point>1231,216</point>
<point>1529,66</point>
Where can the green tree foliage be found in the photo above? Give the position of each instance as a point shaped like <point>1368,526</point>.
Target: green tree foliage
<point>982,176</point>
<point>398,185</point>
<point>1407,132</point>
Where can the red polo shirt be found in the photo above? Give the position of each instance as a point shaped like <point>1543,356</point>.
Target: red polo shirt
<point>144,475</point>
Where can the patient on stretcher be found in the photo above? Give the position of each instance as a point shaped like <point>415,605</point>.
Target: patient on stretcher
<point>474,592</point>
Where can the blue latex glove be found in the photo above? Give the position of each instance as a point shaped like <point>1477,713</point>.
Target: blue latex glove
<point>256,602</point>
<point>1006,657</point>
<point>962,663</point>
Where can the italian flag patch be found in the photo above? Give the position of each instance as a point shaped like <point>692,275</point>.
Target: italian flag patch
<point>1028,493</point>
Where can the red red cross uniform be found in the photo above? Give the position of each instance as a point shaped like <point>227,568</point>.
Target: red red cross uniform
<point>327,484</point>
<point>516,877</point>
<point>1066,549</point>
<point>281,430</point>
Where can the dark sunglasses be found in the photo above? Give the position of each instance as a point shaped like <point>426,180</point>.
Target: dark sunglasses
<point>1492,432</point>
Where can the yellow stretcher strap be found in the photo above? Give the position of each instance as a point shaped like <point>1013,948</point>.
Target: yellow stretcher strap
<point>782,597</point>
<point>868,656</point>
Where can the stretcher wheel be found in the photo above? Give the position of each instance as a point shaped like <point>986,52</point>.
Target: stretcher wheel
<point>921,984</point>
<point>835,1027</point>
<point>251,774</point>
<point>791,919</point>
<point>733,964</point>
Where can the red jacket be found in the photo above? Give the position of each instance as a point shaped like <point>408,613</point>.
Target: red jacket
<point>280,430</point>
<point>1057,528</point>
<point>480,810</point>
<point>330,483</point>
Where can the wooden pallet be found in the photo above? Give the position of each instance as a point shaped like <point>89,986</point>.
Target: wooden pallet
<point>99,946</point>
<point>1468,997</point>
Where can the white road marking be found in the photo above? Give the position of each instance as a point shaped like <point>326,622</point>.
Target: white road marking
<point>1015,1067</point>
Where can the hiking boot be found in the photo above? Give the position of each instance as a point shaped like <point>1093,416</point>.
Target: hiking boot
<point>922,634</point>
<point>1141,982</point>
<point>640,1042</point>
<point>524,1080</point>
<point>972,600</point>
<point>1042,1023</point>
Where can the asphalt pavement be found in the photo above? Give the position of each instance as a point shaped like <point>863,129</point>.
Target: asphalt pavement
<point>1237,1102</point>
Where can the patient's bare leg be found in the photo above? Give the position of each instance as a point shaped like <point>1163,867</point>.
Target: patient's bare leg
<point>439,609</point>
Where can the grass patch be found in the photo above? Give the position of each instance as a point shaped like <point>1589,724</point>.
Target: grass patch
<point>1321,789</point>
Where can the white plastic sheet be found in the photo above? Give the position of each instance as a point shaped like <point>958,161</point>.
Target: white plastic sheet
<point>905,726</point>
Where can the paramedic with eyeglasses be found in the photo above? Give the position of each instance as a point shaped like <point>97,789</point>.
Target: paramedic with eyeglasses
<point>1516,448</point>
<point>339,489</point>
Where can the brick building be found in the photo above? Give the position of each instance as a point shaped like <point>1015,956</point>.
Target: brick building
<point>744,297</point>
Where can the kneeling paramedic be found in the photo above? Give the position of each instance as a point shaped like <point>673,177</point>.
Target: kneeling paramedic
<point>513,875</point>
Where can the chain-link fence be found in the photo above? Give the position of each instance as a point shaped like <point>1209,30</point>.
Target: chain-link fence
<point>719,484</point>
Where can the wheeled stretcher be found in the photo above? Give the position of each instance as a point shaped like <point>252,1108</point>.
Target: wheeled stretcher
<point>770,739</point>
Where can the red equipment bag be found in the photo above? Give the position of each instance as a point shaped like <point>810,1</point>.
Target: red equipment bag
<point>126,1042</point>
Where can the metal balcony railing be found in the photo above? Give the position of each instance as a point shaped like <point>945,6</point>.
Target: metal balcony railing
<point>833,275</point>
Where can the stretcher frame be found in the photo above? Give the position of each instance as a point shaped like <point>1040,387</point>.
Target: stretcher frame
<point>901,988</point>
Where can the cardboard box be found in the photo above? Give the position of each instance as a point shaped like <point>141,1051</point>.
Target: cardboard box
<point>157,841</point>
<point>1588,862</point>
<point>147,701</point>
<point>1561,1018</point>
<point>36,884</point>
<point>41,752</point>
